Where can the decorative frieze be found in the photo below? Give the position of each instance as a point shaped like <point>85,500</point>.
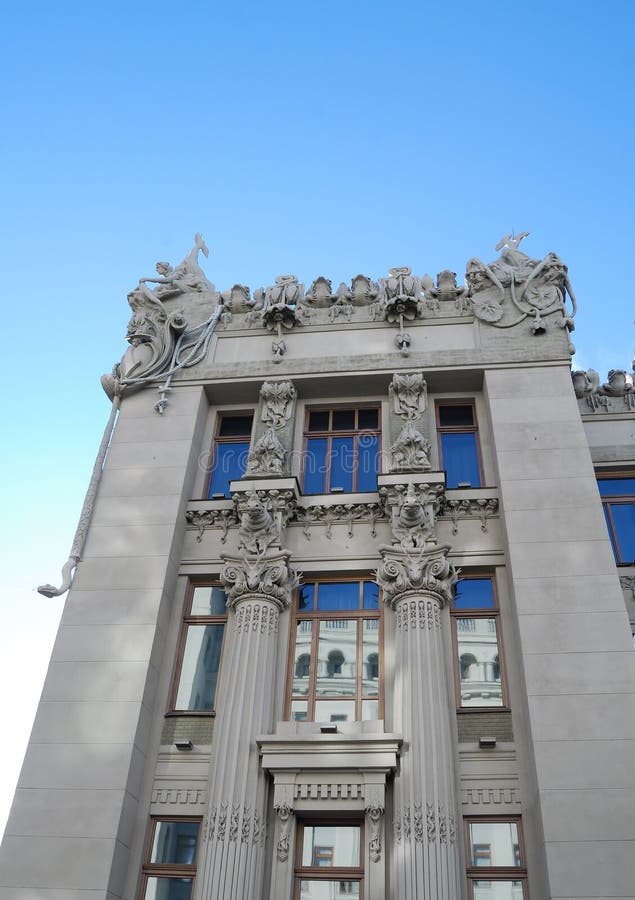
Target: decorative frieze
<point>481,508</point>
<point>178,796</point>
<point>489,797</point>
<point>345,513</point>
<point>202,519</point>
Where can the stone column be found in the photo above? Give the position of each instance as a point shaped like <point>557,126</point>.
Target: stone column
<point>232,857</point>
<point>416,584</point>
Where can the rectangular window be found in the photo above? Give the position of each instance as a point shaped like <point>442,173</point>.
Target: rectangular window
<point>230,451</point>
<point>341,450</point>
<point>618,502</point>
<point>335,654</point>
<point>328,861</point>
<point>496,868</point>
<point>198,660</point>
<point>476,635</point>
<point>169,863</point>
<point>459,451</point>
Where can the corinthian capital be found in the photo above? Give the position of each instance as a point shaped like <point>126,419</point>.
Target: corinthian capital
<point>267,576</point>
<point>425,571</point>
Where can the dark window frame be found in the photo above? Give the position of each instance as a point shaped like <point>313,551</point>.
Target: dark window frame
<point>167,870</point>
<point>187,621</point>
<point>495,873</point>
<point>608,502</point>
<point>459,429</point>
<point>219,439</point>
<point>493,612</point>
<point>330,433</point>
<point>320,615</point>
<point>328,873</point>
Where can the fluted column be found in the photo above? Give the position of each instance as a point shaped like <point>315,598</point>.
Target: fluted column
<point>232,857</point>
<point>416,584</point>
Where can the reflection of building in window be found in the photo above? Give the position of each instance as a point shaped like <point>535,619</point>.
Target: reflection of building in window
<point>329,862</point>
<point>459,450</point>
<point>230,452</point>
<point>335,654</point>
<point>476,636</point>
<point>198,661</point>
<point>341,450</point>
<point>618,502</point>
<point>494,849</point>
<point>170,863</point>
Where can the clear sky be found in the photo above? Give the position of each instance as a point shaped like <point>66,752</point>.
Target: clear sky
<point>321,138</point>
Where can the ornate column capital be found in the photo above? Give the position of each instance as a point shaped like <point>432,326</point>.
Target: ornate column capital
<point>263,577</point>
<point>428,572</point>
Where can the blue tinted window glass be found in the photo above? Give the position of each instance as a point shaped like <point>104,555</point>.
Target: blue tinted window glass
<point>306,594</point>
<point>230,462</point>
<point>624,521</point>
<point>199,667</point>
<point>175,843</point>
<point>605,507</point>
<point>371,595</point>
<point>367,462</point>
<point>164,888</point>
<point>616,487</point>
<point>342,460</point>
<point>474,593</point>
<point>460,459</point>
<point>315,466</point>
<point>338,595</point>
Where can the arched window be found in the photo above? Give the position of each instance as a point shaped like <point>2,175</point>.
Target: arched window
<point>335,663</point>
<point>302,666</point>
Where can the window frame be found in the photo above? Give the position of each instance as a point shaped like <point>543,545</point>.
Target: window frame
<point>167,870</point>
<point>317,615</point>
<point>188,619</point>
<point>493,612</point>
<point>328,873</point>
<point>459,429</point>
<point>495,873</point>
<point>329,434</point>
<point>218,439</point>
<point>615,500</point>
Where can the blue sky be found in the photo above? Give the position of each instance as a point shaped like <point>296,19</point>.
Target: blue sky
<point>317,138</point>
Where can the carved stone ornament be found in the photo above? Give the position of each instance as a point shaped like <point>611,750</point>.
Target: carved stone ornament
<point>160,341</point>
<point>628,583</point>
<point>284,812</point>
<point>211,518</point>
<point>536,288</point>
<point>427,571</point>
<point>374,812</point>
<point>617,394</point>
<point>345,513</point>
<point>409,395</point>
<point>267,455</point>
<point>402,295</point>
<point>277,402</point>
<point>410,452</point>
<point>481,508</point>
<point>269,576</point>
<point>446,291</point>
<point>263,516</point>
<point>413,510</point>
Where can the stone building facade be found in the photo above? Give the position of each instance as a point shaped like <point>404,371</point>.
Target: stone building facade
<point>348,614</point>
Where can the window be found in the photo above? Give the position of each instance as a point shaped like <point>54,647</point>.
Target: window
<point>476,635</point>
<point>230,452</point>
<point>341,450</point>
<point>170,859</point>
<point>328,861</point>
<point>618,501</point>
<point>495,860</point>
<point>198,659</point>
<point>334,670</point>
<point>459,451</point>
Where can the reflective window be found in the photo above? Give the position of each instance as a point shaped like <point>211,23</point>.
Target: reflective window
<point>199,656</point>
<point>618,502</point>
<point>495,846</point>
<point>341,450</point>
<point>329,862</point>
<point>459,450</point>
<point>170,861</point>
<point>335,656</point>
<point>230,452</point>
<point>476,633</point>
